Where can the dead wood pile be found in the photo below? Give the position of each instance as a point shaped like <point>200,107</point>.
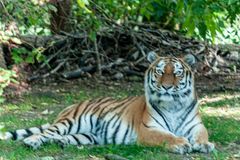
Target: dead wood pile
<point>119,52</point>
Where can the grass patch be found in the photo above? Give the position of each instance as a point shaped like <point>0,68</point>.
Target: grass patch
<point>222,130</point>
<point>223,127</point>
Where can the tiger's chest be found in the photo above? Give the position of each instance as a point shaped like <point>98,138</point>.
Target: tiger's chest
<point>170,116</point>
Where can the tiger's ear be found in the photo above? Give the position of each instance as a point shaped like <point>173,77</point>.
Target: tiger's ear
<point>190,60</point>
<point>152,56</point>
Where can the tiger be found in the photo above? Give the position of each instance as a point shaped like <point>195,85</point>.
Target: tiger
<point>166,115</point>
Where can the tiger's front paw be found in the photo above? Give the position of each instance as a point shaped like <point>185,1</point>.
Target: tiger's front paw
<point>203,147</point>
<point>33,141</point>
<point>181,146</point>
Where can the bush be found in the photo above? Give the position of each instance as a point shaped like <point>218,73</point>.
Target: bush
<point>6,77</point>
<point>199,18</point>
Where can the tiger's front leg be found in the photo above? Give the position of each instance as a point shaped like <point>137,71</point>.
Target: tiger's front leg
<point>148,136</point>
<point>198,137</point>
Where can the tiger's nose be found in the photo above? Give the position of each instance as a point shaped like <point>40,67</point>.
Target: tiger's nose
<point>167,86</point>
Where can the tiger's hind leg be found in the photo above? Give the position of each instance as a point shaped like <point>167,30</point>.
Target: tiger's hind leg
<point>77,139</point>
<point>20,134</point>
<point>54,132</point>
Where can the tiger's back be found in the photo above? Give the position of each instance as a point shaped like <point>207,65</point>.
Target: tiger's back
<point>109,120</point>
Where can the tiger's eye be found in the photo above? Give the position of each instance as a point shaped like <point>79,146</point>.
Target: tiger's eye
<point>159,72</point>
<point>178,73</point>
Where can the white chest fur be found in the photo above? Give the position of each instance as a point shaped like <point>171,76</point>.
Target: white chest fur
<point>171,116</point>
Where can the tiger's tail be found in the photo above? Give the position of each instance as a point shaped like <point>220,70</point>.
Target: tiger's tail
<point>20,134</point>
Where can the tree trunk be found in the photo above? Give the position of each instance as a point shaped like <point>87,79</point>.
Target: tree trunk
<point>2,59</point>
<point>60,19</point>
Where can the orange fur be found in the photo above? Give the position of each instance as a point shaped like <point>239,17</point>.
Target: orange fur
<point>202,136</point>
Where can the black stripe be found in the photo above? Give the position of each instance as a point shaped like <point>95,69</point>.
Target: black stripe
<point>156,120</point>
<point>94,140</point>
<point>105,100</point>
<point>41,129</point>
<point>106,128</point>
<point>115,132</point>
<point>76,139</point>
<point>29,133</point>
<point>190,129</point>
<point>44,136</point>
<point>96,108</point>
<point>65,130</point>
<point>147,126</point>
<point>189,109</point>
<point>91,124</point>
<point>57,129</point>
<point>77,110</point>
<point>102,109</point>
<point>49,132</point>
<point>161,114</point>
<point>125,135</point>
<point>110,110</point>
<point>119,117</point>
<point>66,112</point>
<point>132,125</point>
<point>150,82</point>
<point>187,92</point>
<point>186,124</point>
<point>90,107</point>
<point>115,122</point>
<point>80,117</point>
<point>70,125</point>
<point>41,139</point>
<point>88,137</point>
<point>190,74</point>
<point>98,119</point>
<point>101,129</point>
<point>14,135</point>
<point>123,103</point>
<point>93,105</point>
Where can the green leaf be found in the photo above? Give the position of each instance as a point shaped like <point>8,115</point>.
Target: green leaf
<point>16,40</point>
<point>17,59</point>
<point>82,4</point>
<point>30,59</point>
<point>32,19</point>
<point>2,99</point>
<point>202,30</point>
<point>92,35</point>
<point>52,8</point>
<point>180,6</point>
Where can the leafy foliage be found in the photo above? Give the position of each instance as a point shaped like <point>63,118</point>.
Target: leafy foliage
<point>6,77</point>
<point>202,19</point>
<point>23,55</point>
<point>231,33</point>
<point>31,17</point>
<point>198,18</point>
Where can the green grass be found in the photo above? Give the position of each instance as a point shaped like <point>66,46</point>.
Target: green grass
<point>224,129</point>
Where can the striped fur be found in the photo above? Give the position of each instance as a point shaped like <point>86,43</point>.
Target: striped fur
<point>167,114</point>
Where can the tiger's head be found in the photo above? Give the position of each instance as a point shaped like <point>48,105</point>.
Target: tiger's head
<point>169,78</point>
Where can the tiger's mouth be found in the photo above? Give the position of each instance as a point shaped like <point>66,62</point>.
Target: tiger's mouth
<point>167,84</point>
